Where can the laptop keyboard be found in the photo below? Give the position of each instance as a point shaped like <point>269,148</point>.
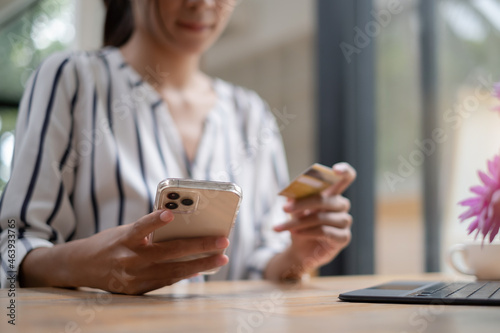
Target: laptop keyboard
<point>453,290</point>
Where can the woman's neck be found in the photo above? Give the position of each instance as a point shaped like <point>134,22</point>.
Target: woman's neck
<point>161,67</point>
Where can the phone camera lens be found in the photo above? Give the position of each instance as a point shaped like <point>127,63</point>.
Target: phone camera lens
<point>173,196</point>
<point>171,205</point>
<point>187,202</point>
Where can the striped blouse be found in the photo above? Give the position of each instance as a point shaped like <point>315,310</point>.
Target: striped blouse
<point>93,140</point>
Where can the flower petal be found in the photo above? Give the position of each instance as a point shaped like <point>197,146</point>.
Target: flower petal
<point>480,190</point>
<point>486,226</point>
<point>494,205</point>
<point>486,179</point>
<point>496,167</point>
<point>482,222</point>
<point>467,214</point>
<point>496,89</point>
<point>494,213</point>
<point>494,231</point>
<point>473,225</point>
<point>471,201</point>
<point>491,167</point>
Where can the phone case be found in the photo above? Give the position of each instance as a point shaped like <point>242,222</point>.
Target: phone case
<point>201,208</point>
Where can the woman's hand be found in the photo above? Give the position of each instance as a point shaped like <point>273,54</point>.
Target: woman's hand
<point>122,260</point>
<point>320,226</point>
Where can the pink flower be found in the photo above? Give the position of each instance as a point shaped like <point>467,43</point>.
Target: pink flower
<point>484,208</point>
<point>496,88</point>
<point>496,93</point>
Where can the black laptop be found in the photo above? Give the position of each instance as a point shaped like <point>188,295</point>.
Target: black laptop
<point>425,292</point>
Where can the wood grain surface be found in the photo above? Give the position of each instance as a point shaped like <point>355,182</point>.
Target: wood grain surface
<point>241,306</point>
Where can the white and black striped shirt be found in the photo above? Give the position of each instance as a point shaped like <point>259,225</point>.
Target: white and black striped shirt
<point>93,139</point>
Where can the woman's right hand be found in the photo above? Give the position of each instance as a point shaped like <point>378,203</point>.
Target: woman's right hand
<point>122,260</point>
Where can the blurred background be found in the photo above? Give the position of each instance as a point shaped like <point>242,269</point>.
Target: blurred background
<point>401,89</point>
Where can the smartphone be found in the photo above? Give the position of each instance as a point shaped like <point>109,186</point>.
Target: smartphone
<point>312,181</point>
<point>200,208</point>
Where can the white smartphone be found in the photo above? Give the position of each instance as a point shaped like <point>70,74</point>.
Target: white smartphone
<point>200,208</point>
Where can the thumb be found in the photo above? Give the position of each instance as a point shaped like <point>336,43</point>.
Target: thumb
<point>347,175</point>
<point>149,223</point>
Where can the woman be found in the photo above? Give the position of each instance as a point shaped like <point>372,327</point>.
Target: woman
<point>97,132</point>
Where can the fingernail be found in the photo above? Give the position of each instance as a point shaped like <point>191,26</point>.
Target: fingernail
<point>278,228</point>
<point>340,168</point>
<point>166,216</point>
<point>222,243</point>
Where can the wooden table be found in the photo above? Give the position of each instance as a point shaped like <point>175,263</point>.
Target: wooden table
<point>241,307</point>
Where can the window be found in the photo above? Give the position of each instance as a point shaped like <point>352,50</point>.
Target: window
<point>469,48</point>
<point>25,41</point>
<point>466,50</point>
<point>398,179</point>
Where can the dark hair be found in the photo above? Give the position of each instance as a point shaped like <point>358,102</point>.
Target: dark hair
<point>119,23</point>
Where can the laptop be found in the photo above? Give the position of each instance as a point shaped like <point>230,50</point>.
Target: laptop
<point>425,292</point>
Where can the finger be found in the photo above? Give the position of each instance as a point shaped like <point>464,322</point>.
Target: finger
<point>149,223</point>
<point>179,248</point>
<point>335,203</point>
<point>140,286</point>
<point>338,220</point>
<point>348,175</point>
<point>334,236</point>
<point>184,269</point>
<point>151,284</point>
<point>157,284</point>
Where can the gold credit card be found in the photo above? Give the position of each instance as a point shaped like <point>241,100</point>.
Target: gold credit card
<point>312,181</point>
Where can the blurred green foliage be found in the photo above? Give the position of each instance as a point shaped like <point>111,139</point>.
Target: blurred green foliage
<point>27,41</point>
<point>42,30</point>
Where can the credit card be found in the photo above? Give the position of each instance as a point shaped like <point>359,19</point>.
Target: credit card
<point>310,182</point>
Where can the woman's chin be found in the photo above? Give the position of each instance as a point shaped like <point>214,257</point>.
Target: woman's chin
<point>193,47</point>
<point>191,41</point>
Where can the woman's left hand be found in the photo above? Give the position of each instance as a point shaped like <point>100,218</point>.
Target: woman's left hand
<point>320,225</point>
